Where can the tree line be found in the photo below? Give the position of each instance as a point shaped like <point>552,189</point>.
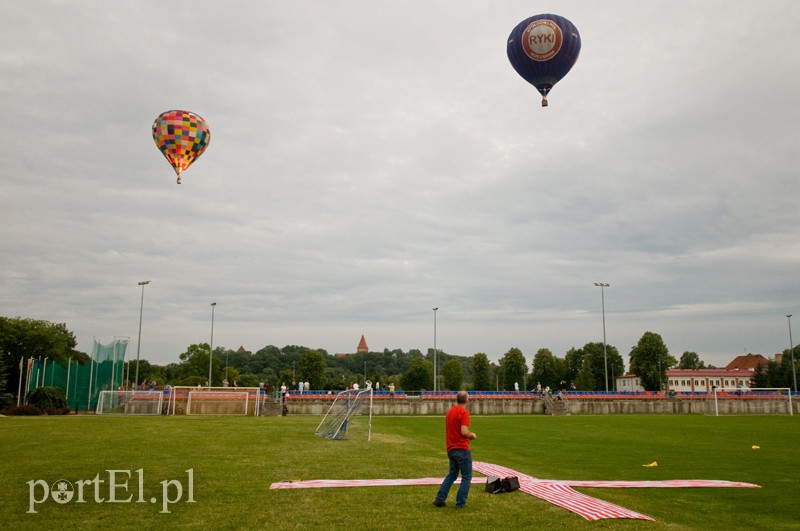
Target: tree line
<point>593,367</point>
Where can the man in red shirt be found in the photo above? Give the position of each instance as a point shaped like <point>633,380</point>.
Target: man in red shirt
<point>457,436</point>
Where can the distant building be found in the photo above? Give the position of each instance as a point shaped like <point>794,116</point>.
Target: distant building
<point>738,373</point>
<point>704,380</point>
<point>629,383</point>
<point>362,347</point>
<point>747,363</point>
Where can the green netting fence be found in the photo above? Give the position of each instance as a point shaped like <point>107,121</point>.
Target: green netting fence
<point>82,383</point>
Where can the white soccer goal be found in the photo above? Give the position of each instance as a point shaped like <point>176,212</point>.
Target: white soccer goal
<point>752,401</point>
<point>130,402</point>
<point>217,403</point>
<point>185,400</point>
<point>338,421</point>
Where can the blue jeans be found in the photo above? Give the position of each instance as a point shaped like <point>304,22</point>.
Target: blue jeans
<point>460,461</point>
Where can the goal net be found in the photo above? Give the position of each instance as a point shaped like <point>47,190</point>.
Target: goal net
<point>338,421</point>
<point>187,400</point>
<point>130,402</point>
<point>217,403</point>
<point>750,401</point>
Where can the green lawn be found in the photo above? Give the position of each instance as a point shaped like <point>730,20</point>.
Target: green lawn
<point>234,460</point>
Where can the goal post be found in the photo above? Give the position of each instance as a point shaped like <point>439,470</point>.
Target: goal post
<point>752,401</point>
<point>193,400</point>
<point>217,402</point>
<point>130,402</point>
<point>338,421</point>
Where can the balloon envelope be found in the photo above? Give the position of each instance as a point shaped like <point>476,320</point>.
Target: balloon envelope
<point>542,49</point>
<point>182,136</point>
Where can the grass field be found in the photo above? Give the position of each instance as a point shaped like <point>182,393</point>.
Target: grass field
<point>235,459</point>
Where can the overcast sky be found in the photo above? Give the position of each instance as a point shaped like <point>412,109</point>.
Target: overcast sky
<point>370,160</point>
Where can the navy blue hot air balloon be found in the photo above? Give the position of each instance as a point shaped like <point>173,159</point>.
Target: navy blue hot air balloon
<point>542,49</point>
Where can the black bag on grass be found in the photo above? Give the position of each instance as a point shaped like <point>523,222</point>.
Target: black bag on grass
<point>509,484</point>
<point>495,485</point>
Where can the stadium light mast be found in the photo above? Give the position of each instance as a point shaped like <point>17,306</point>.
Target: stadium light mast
<point>143,283</point>
<point>434,348</point>
<point>603,286</point>
<point>791,351</point>
<point>211,345</point>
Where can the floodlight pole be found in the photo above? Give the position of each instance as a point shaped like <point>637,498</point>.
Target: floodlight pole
<point>434,348</point>
<point>143,283</point>
<point>791,351</point>
<point>211,345</point>
<point>602,286</point>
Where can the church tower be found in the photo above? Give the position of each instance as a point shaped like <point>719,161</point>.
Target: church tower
<point>362,345</point>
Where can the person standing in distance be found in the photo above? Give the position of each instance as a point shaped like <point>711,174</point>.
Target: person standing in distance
<point>457,437</point>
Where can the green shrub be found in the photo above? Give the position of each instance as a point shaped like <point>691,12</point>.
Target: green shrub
<point>25,410</point>
<point>6,399</point>
<point>47,398</point>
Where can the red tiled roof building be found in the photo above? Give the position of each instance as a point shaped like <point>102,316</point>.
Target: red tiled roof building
<point>746,363</point>
<point>362,345</point>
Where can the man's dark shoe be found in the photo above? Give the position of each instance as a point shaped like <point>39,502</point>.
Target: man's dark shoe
<point>438,503</point>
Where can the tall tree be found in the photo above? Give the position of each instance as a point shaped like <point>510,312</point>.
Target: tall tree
<point>585,380</point>
<point>313,368</point>
<point>690,360</point>
<point>193,369</point>
<point>775,375</point>
<point>760,377</point>
<point>573,362</point>
<point>452,375</point>
<point>649,361</point>
<point>546,370</point>
<point>418,376</point>
<point>513,368</point>
<point>32,338</point>
<point>604,363</point>
<point>786,365</point>
<point>481,372</point>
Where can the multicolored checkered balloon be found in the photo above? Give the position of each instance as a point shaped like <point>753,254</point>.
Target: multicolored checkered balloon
<point>182,136</point>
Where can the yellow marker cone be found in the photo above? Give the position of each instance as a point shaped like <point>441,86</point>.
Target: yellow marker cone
<point>756,447</point>
<point>654,463</point>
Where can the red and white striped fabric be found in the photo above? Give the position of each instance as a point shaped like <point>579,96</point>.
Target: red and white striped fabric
<point>555,491</point>
<point>322,483</point>
<point>663,484</point>
<point>500,471</point>
<point>562,495</point>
